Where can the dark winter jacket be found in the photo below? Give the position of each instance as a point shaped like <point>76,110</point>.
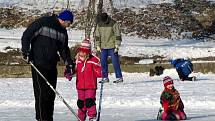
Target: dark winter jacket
<point>183,67</point>
<point>43,39</point>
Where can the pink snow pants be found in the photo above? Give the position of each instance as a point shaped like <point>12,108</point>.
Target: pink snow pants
<point>180,115</point>
<point>91,111</point>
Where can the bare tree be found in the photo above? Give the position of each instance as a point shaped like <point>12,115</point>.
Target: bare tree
<point>68,3</point>
<point>112,7</point>
<point>81,4</point>
<point>94,8</point>
<point>100,6</point>
<point>90,17</point>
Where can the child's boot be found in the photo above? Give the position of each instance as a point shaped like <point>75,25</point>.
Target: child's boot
<point>92,119</point>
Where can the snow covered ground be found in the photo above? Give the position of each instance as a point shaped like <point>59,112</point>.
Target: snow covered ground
<point>131,46</point>
<point>137,99</point>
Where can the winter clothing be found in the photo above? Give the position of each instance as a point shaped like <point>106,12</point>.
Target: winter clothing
<point>183,68</point>
<point>174,115</point>
<point>167,81</point>
<point>98,49</point>
<point>104,80</point>
<point>88,71</point>
<point>159,70</point>
<point>46,37</point>
<point>104,17</point>
<point>108,35</point>
<point>68,73</point>
<point>116,49</point>
<point>107,41</point>
<point>44,95</point>
<point>85,46</point>
<point>66,15</point>
<point>87,98</point>
<point>25,57</point>
<point>41,43</point>
<point>118,80</point>
<point>171,103</point>
<point>170,100</point>
<point>115,60</point>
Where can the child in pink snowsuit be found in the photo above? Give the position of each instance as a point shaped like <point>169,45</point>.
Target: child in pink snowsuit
<point>171,102</point>
<point>88,69</point>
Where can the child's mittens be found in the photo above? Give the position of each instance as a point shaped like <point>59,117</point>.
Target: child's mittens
<point>68,73</point>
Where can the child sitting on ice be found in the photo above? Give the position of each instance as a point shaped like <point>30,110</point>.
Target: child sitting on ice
<point>88,69</point>
<point>173,107</point>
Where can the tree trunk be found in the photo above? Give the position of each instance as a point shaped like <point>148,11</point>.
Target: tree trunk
<point>91,21</point>
<point>90,18</point>
<point>112,8</point>
<point>68,2</point>
<point>100,6</point>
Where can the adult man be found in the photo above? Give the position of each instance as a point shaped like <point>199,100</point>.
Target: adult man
<point>41,43</point>
<point>184,68</point>
<point>107,41</point>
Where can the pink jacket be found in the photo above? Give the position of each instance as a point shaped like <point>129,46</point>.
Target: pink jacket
<point>87,73</point>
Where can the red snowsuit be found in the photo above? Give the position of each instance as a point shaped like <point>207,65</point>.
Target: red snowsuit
<point>172,105</point>
<point>87,73</point>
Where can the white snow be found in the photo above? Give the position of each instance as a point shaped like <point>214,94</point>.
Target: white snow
<point>137,47</point>
<point>131,46</point>
<point>49,5</point>
<point>137,99</point>
<point>46,5</point>
<point>41,4</point>
<point>145,61</point>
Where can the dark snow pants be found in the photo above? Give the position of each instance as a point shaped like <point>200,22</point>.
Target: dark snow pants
<point>44,95</point>
<point>184,77</point>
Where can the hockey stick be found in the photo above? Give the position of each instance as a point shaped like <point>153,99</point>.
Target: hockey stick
<point>100,102</point>
<point>58,94</point>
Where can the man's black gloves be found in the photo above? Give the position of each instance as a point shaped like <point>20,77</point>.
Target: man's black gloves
<point>25,57</point>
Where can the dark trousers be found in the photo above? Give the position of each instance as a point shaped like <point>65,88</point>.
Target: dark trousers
<point>44,95</point>
<point>115,61</point>
<point>184,77</point>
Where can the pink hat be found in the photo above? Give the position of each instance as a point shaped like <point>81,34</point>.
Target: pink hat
<point>85,46</point>
<point>167,81</point>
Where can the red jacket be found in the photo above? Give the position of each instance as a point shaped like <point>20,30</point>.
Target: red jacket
<point>87,73</point>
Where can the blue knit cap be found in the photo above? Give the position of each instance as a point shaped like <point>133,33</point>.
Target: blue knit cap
<point>66,15</point>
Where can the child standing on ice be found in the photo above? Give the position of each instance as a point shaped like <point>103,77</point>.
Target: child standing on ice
<point>173,107</point>
<point>88,69</point>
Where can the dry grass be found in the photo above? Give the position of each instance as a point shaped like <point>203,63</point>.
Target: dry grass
<point>12,65</point>
<point>17,71</point>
